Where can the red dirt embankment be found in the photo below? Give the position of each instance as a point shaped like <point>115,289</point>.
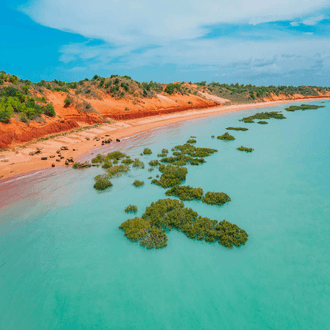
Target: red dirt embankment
<point>70,117</point>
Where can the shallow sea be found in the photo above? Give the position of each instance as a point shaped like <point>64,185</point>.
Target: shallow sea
<point>64,264</point>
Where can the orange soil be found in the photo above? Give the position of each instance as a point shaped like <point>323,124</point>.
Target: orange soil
<point>70,117</point>
<point>18,162</point>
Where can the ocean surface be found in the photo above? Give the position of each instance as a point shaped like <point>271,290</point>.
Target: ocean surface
<point>64,263</point>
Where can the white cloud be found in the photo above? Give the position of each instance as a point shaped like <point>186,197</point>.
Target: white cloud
<point>310,21</point>
<point>143,22</point>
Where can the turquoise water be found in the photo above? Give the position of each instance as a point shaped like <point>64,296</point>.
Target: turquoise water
<point>64,264</point>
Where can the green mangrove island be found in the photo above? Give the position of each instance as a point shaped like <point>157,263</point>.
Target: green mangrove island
<point>237,129</point>
<point>226,137</point>
<point>304,107</point>
<point>167,214</point>
<point>241,148</point>
<point>131,209</point>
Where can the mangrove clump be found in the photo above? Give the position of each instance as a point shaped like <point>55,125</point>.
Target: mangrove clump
<point>185,193</point>
<point>131,209</point>
<point>138,183</point>
<point>215,198</point>
<point>241,148</point>
<point>237,129</point>
<point>147,151</point>
<point>102,183</point>
<point>171,176</point>
<point>226,137</point>
<point>167,214</point>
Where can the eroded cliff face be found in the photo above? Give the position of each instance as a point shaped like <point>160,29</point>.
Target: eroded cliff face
<point>108,107</point>
<point>99,106</point>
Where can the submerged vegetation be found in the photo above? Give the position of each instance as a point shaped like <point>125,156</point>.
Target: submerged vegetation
<point>241,148</point>
<point>226,137</point>
<point>167,214</point>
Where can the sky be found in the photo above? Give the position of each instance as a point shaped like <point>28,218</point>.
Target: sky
<point>282,42</point>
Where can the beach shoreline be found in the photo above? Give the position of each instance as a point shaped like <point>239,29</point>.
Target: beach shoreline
<point>19,163</point>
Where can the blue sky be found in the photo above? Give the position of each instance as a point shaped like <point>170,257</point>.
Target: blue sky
<point>282,42</point>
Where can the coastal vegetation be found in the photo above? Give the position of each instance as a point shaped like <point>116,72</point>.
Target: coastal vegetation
<point>237,129</point>
<point>304,107</point>
<point>154,162</point>
<point>131,209</point>
<point>262,122</point>
<point>138,163</point>
<point>138,183</point>
<point>226,137</point>
<point>216,198</point>
<point>191,141</point>
<point>241,148</point>
<point>117,170</point>
<point>263,115</point>
<point>185,193</point>
<point>171,176</point>
<point>18,101</point>
<point>167,214</point>
<point>102,183</point>
<point>147,151</point>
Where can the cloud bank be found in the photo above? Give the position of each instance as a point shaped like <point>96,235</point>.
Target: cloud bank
<point>154,33</point>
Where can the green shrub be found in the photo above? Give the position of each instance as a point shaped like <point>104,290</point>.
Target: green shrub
<point>114,155</point>
<point>185,193</point>
<point>67,101</point>
<point>226,137</point>
<point>154,162</point>
<point>107,165</point>
<point>49,110</point>
<point>117,170</point>
<point>102,184</point>
<point>131,209</point>
<point>127,161</point>
<point>262,122</point>
<point>138,183</point>
<point>237,128</point>
<point>173,88</point>
<point>241,148</point>
<point>23,118</point>
<point>215,198</point>
<point>147,151</point>
<point>98,159</point>
<point>191,141</point>
<point>137,163</point>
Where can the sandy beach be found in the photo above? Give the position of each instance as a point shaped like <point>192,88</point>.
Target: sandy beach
<point>18,161</point>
